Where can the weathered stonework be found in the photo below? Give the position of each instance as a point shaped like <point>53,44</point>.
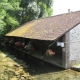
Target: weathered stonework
<point>75,45</point>
<point>72,47</point>
<point>67,51</point>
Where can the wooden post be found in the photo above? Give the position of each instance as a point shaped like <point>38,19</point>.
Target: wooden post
<point>42,49</point>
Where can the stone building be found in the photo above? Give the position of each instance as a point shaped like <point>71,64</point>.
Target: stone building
<point>60,32</point>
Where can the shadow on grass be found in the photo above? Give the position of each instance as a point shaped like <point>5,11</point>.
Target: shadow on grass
<point>34,65</point>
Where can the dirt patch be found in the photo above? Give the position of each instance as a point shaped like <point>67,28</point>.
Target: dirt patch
<point>51,72</point>
<point>12,68</point>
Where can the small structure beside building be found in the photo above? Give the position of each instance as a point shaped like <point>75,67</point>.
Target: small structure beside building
<point>60,33</point>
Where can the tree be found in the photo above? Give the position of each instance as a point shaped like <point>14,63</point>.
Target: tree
<point>8,15</point>
<point>34,9</point>
<point>16,12</point>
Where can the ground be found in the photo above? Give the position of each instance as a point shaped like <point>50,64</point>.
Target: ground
<point>12,68</point>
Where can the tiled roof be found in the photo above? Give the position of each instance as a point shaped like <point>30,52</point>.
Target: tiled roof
<point>48,28</point>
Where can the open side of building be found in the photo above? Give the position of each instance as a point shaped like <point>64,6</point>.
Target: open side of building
<point>60,33</point>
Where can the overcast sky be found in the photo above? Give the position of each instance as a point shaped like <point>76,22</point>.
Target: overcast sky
<point>62,6</point>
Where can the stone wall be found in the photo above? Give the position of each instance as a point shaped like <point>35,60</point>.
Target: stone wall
<point>72,47</point>
<point>66,51</point>
<point>75,45</point>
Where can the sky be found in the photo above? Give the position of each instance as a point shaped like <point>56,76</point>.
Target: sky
<point>62,6</point>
